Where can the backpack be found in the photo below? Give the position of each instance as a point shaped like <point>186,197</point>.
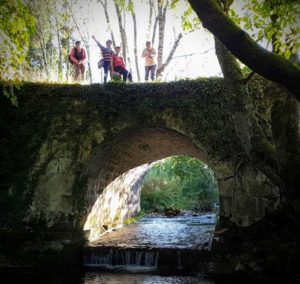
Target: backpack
<point>100,63</point>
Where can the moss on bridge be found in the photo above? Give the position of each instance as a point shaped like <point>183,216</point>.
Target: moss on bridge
<point>48,140</point>
<point>64,124</point>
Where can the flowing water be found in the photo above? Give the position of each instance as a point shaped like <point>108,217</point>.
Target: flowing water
<point>158,249</point>
<point>155,250</point>
<point>182,232</point>
<point>154,244</point>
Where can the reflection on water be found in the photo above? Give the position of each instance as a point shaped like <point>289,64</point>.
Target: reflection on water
<point>121,278</point>
<point>97,277</point>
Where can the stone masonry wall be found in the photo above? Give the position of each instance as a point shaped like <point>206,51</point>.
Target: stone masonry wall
<point>64,144</point>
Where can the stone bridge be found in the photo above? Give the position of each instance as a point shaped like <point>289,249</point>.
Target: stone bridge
<point>73,157</point>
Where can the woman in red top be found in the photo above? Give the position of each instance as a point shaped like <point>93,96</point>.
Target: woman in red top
<point>118,65</point>
<point>78,58</point>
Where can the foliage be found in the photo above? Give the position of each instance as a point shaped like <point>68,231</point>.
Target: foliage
<point>189,19</point>
<point>134,219</point>
<point>276,21</point>
<point>116,77</point>
<point>57,24</point>
<point>50,43</point>
<point>181,182</point>
<point>16,26</point>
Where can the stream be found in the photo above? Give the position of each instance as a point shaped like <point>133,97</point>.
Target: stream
<point>154,250</point>
<point>155,244</point>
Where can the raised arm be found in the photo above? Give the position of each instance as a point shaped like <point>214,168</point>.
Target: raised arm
<point>98,43</point>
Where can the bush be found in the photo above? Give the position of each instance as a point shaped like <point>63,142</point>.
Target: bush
<point>179,182</point>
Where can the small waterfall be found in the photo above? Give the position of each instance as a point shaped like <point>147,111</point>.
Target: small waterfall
<point>179,245</point>
<point>130,260</point>
<point>176,261</point>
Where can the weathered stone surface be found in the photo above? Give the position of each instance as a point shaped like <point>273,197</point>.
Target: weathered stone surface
<point>67,148</point>
<point>89,136</point>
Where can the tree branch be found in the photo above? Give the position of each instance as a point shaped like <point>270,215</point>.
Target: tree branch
<point>154,30</point>
<point>150,17</point>
<point>122,30</point>
<point>104,5</point>
<point>161,69</point>
<point>240,44</point>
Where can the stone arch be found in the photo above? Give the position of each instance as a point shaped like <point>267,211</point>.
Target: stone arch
<point>116,170</point>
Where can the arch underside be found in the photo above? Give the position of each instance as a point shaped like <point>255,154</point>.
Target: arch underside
<point>115,173</point>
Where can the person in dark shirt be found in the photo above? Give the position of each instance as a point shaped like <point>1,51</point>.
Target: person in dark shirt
<point>119,65</point>
<point>107,54</point>
<point>77,57</point>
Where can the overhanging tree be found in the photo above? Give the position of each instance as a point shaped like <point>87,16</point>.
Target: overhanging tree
<point>282,165</point>
<point>270,65</point>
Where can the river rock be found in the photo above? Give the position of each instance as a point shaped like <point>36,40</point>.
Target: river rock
<point>172,211</point>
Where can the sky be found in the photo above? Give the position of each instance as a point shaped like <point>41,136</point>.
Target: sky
<point>194,57</point>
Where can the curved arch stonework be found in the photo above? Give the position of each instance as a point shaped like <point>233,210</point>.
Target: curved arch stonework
<point>116,170</point>
<point>132,148</point>
<point>120,167</point>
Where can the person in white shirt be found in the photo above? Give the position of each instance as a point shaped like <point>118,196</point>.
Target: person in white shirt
<point>149,54</point>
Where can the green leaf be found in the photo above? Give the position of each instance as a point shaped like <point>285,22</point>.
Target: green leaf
<point>287,54</point>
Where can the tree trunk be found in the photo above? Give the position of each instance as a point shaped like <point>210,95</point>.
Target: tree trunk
<point>281,166</point>
<point>127,51</point>
<point>40,35</point>
<point>104,5</point>
<point>89,61</point>
<point>263,62</point>
<point>122,30</point>
<point>43,49</point>
<point>49,44</point>
<point>250,135</point>
<point>154,30</point>
<point>84,41</point>
<point>135,46</point>
<point>60,63</point>
<point>234,78</point>
<point>68,64</point>
<point>155,22</point>
<point>150,2</point>
<point>162,68</point>
<point>162,9</point>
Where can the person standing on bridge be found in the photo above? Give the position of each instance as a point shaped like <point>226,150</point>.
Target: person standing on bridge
<point>107,54</point>
<point>77,58</point>
<point>119,65</point>
<point>150,61</point>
